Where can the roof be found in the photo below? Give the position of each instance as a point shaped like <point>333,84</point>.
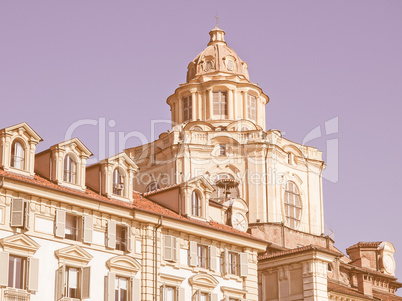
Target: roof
<point>161,189</point>
<point>386,296</point>
<point>365,244</point>
<point>139,203</point>
<point>343,289</point>
<point>298,250</point>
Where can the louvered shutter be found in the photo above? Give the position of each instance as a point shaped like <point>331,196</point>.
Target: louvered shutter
<point>136,289</point>
<point>27,211</point>
<point>182,294</point>
<point>61,282</point>
<point>174,248</point>
<point>111,234</point>
<point>4,264</point>
<point>212,258</point>
<point>85,282</point>
<point>60,226</point>
<point>225,262</point>
<point>87,229</point>
<point>243,265</point>
<point>128,239</point>
<point>214,297</point>
<point>33,274</point>
<point>110,287</point>
<point>162,292</point>
<point>193,253</point>
<point>17,213</point>
<point>170,247</point>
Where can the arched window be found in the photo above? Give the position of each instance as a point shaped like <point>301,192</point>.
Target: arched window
<point>293,207</point>
<point>70,168</point>
<point>197,128</point>
<point>152,186</point>
<point>195,204</point>
<point>118,182</point>
<point>17,155</point>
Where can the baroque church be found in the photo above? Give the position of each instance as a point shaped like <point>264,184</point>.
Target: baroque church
<point>218,208</point>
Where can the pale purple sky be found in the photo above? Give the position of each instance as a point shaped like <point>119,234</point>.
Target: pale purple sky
<point>64,61</point>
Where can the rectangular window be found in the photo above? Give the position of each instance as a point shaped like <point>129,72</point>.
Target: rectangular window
<point>121,288</point>
<point>72,276</point>
<point>187,108</point>
<point>252,106</point>
<point>121,237</point>
<point>16,272</point>
<point>233,263</point>
<point>19,214</point>
<point>204,296</point>
<point>73,282</point>
<point>72,227</point>
<point>202,255</point>
<point>220,104</point>
<point>169,248</point>
<point>222,149</point>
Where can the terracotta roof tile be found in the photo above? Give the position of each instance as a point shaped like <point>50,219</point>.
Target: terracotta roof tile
<point>298,250</point>
<point>343,289</point>
<point>365,244</point>
<point>386,296</point>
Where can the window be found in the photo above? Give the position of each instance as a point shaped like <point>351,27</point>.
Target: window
<point>232,263</point>
<point>18,272</point>
<point>69,169</point>
<point>121,288</point>
<point>220,104</point>
<point>252,106</point>
<point>187,108</point>
<point>172,293</point>
<point>202,296</point>
<point>195,204</point>
<point>152,186</point>
<point>202,255</point>
<point>17,155</point>
<point>293,207</point>
<point>169,248</point>
<point>118,182</point>
<point>19,214</point>
<point>73,282</point>
<point>121,236</point>
<point>118,236</point>
<point>72,227</point>
<point>221,193</point>
<point>222,149</point>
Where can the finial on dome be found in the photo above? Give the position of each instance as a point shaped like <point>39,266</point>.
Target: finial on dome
<point>217,20</point>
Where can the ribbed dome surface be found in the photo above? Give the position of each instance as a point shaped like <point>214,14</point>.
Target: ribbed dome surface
<point>217,59</point>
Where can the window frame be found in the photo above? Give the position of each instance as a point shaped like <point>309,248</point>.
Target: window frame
<point>293,209</point>
<point>196,207</point>
<point>252,107</point>
<point>203,256</point>
<point>220,103</point>
<point>13,156</point>
<point>74,228</point>
<point>70,169</point>
<point>187,108</point>
<point>118,182</point>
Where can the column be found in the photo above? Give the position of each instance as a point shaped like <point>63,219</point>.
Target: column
<point>230,104</point>
<point>193,105</point>
<point>210,102</point>
<point>180,111</point>
<point>244,115</point>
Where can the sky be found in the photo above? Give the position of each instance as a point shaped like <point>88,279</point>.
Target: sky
<point>332,70</point>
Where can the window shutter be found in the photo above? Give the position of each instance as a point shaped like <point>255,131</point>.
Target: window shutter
<point>243,265</point>
<point>136,289</point>
<point>174,249</point>
<point>181,294</point>
<point>212,258</point>
<point>61,282</point>
<point>170,247</point>
<point>214,297</point>
<point>4,263</point>
<point>88,228</point>
<point>26,215</point>
<point>85,282</point>
<point>110,287</point>
<point>128,239</point>
<point>33,274</point>
<point>111,234</point>
<point>193,253</point>
<point>225,262</point>
<point>60,226</point>
<point>17,213</point>
<point>162,292</point>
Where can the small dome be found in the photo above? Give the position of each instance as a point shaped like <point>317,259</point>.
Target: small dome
<point>217,59</point>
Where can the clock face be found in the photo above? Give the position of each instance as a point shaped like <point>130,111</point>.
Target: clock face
<point>239,222</point>
<point>388,263</point>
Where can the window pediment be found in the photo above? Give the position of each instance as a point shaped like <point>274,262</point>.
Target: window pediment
<point>123,265</point>
<point>73,255</point>
<point>20,244</point>
<point>202,280</point>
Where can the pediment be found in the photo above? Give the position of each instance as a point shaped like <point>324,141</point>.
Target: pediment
<point>73,254</point>
<point>120,159</point>
<point>76,145</point>
<point>203,280</point>
<point>20,243</point>
<point>123,264</point>
<point>23,129</point>
<point>201,181</point>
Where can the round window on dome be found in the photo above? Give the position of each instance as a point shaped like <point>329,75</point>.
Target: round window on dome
<point>230,65</point>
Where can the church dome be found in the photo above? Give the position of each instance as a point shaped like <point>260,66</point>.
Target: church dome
<point>217,59</point>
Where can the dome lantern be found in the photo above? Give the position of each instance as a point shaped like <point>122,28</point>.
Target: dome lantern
<point>217,36</point>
